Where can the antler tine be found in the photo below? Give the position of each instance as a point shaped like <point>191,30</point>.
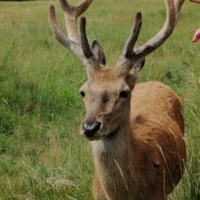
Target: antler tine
<point>70,45</point>
<point>93,62</point>
<point>79,8</point>
<point>78,46</point>
<point>55,29</point>
<point>163,34</point>
<point>84,41</point>
<point>71,14</point>
<point>173,8</point>
<point>178,6</point>
<point>128,47</point>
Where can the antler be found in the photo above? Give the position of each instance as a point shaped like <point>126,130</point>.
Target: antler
<point>129,55</point>
<point>75,43</point>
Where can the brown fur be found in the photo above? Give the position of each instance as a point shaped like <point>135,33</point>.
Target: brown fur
<point>142,156</point>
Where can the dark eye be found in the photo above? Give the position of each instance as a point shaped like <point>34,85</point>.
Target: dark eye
<point>105,98</point>
<point>82,93</point>
<point>124,94</point>
<point>105,101</point>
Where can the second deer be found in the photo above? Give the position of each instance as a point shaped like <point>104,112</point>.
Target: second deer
<point>136,130</point>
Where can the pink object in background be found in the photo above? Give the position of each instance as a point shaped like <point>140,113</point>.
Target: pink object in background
<point>196,36</point>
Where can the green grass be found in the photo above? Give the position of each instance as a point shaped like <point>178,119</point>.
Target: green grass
<point>42,155</point>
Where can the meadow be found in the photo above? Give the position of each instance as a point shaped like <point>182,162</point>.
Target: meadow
<point>42,155</point>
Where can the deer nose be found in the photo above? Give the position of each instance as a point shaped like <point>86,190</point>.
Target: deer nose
<point>89,129</point>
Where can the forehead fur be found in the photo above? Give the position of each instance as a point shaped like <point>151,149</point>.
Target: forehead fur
<point>105,80</point>
<point>105,74</point>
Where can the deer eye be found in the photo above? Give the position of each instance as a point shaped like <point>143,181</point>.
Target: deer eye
<point>82,93</point>
<point>105,98</point>
<point>124,94</point>
<point>105,101</point>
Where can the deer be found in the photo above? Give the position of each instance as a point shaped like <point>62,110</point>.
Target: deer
<point>136,131</point>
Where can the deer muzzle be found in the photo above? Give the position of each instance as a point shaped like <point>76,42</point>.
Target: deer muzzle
<point>89,129</point>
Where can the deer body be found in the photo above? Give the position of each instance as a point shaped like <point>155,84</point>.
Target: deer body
<point>136,131</point>
<point>144,159</point>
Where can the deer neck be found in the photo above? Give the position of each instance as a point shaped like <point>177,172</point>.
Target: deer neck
<point>114,145</point>
<point>113,157</point>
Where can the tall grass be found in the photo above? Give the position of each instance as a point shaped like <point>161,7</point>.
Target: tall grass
<point>42,155</point>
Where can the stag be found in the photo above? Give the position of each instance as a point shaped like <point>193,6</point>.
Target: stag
<point>136,130</point>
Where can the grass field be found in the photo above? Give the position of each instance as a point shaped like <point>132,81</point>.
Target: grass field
<point>42,155</point>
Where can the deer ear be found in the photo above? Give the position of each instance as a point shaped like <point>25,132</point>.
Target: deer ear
<point>98,53</point>
<point>134,72</point>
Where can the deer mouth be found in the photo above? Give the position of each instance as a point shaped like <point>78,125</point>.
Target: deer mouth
<point>94,138</point>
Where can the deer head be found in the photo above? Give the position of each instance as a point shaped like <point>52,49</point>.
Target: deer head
<point>106,94</point>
